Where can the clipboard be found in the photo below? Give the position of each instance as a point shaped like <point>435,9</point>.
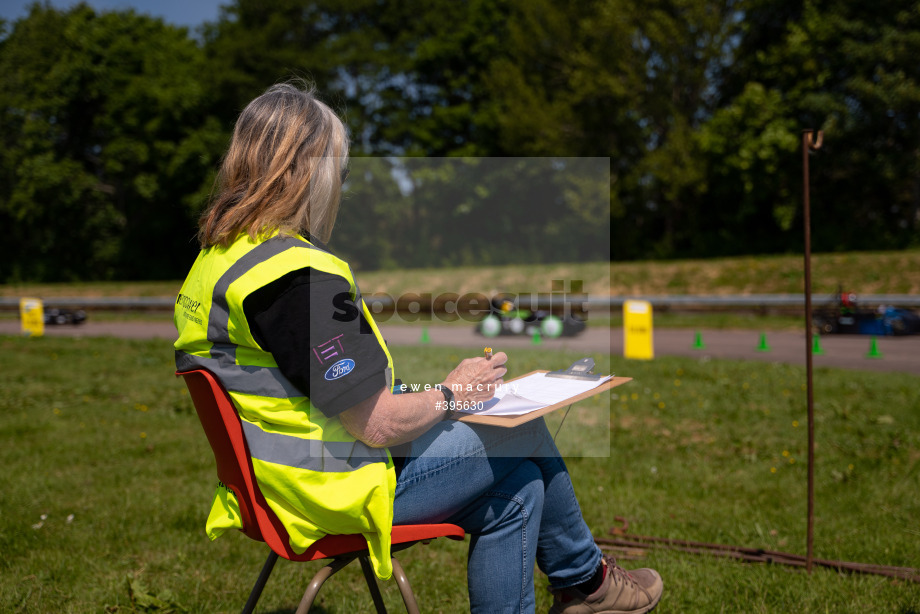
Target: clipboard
<point>509,421</point>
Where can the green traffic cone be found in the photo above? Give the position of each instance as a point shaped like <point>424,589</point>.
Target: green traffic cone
<point>816,346</point>
<point>873,349</point>
<point>536,339</point>
<point>763,347</point>
<point>425,337</point>
<point>698,341</point>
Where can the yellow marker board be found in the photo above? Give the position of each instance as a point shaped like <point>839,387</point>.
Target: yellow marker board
<point>637,330</point>
<point>32,314</point>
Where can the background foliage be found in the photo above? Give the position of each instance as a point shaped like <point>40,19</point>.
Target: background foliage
<point>112,123</point>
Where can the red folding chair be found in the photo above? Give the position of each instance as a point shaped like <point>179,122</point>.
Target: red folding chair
<point>234,468</point>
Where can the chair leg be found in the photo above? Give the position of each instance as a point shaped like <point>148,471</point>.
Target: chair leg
<point>318,580</point>
<point>402,581</point>
<point>260,583</point>
<point>371,580</point>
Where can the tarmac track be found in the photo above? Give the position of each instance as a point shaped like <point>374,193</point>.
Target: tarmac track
<point>897,354</point>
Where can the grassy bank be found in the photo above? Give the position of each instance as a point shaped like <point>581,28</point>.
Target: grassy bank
<point>860,272</point>
<point>107,480</point>
<point>863,273</point>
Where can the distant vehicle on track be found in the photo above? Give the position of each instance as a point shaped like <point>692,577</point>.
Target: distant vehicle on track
<point>64,316</point>
<point>845,316</point>
<point>505,318</point>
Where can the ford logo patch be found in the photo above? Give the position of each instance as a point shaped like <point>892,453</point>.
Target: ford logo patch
<point>340,369</point>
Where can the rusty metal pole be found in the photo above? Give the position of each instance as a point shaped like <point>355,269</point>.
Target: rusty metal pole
<point>809,145</point>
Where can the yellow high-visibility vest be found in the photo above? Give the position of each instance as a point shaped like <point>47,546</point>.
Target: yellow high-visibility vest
<point>315,476</point>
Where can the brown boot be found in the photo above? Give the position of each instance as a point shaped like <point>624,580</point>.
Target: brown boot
<point>621,592</point>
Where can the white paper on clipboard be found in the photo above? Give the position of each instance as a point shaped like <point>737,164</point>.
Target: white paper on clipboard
<point>534,392</point>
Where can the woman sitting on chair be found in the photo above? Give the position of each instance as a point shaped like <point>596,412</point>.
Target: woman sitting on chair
<point>280,321</point>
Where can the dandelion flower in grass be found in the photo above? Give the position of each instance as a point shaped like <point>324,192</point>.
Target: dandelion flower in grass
<point>785,452</point>
<point>795,423</point>
<point>772,469</point>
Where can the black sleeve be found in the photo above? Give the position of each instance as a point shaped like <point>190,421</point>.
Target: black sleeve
<point>319,337</point>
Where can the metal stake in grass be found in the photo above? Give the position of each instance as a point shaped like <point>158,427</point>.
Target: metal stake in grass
<point>809,145</point>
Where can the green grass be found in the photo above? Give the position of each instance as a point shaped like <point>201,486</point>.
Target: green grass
<point>107,480</point>
<point>860,272</point>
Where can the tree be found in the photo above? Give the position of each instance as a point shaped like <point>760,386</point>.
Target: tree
<point>412,79</point>
<point>112,125</point>
<point>745,146</point>
<point>629,81</point>
<point>850,69</point>
<point>106,151</point>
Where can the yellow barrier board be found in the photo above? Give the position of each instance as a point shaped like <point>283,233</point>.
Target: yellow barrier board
<point>32,315</point>
<point>637,330</point>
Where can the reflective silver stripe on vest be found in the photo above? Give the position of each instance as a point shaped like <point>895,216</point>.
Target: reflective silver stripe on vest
<point>311,454</point>
<point>247,379</point>
<point>219,317</point>
<point>261,381</point>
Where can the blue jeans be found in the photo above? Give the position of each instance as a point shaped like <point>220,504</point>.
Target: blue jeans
<point>510,491</point>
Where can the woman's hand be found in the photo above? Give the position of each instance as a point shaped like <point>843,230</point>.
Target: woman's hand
<point>475,380</point>
<point>386,419</point>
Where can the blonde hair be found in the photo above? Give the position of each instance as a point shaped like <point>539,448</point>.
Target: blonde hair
<point>282,171</point>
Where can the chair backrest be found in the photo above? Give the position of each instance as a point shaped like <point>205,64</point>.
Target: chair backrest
<point>222,426</point>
